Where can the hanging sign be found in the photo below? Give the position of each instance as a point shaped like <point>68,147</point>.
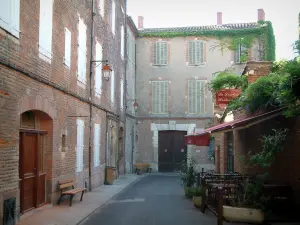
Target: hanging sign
<point>224,96</point>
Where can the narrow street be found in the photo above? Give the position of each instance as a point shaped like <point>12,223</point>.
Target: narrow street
<point>155,199</point>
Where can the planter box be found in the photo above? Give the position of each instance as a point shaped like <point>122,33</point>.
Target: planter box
<point>246,215</point>
<point>197,200</point>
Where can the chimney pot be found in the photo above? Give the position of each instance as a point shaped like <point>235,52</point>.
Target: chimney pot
<point>219,18</point>
<point>260,15</point>
<point>140,22</point>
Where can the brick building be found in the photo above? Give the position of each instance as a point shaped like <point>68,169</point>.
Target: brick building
<point>59,117</point>
<point>174,68</point>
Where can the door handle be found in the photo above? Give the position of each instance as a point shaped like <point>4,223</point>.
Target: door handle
<point>34,170</point>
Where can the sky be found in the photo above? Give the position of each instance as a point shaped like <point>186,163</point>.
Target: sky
<point>173,13</point>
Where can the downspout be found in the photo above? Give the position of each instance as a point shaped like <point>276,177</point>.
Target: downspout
<point>125,84</point>
<point>91,93</point>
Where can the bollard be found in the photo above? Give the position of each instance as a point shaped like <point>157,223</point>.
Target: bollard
<point>220,205</point>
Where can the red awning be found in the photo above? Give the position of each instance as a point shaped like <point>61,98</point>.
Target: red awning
<point>245,122</point>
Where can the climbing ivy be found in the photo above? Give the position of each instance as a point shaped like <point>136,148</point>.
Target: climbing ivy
<point>243,36</point>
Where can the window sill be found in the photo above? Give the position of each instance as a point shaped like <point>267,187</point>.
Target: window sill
<point>81,84</point>
<point>11,34</point>
<point>200,65</point>
<point>159,66</point>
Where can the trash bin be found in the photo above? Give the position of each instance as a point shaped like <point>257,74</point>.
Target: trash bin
<point>110,174</point>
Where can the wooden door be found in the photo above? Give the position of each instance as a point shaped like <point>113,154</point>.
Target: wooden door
<point>28,170</point>
<point>178,148</point>
<point>32,176</point>
<point>171,150</point>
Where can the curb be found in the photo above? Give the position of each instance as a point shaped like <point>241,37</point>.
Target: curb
<point>129,185</point>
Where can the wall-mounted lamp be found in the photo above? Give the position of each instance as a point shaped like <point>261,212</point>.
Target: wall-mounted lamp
<point>106,69</point>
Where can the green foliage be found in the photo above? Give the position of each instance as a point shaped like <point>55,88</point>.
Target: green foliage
<point>236,36</point>
<point>186,172</point>
<point>227,79</point>
<point>261,94</point>
<point>271,145</point>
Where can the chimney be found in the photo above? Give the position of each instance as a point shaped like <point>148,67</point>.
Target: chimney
<point>219,18</point>
<point>140,22</point>
<point>260,15</point>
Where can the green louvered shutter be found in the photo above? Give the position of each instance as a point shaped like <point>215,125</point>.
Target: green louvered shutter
<point>160,53</point>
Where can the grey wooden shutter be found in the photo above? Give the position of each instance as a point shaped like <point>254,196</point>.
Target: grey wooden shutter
<point>155,53</point>
<point>191,53</point>
<point>164,53</point>
<point>237,54</point>
<point>160,97</point>
<point>196,96</point>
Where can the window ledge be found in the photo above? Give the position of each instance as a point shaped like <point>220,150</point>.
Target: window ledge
<point>200,65</point>
<point>81,84</point>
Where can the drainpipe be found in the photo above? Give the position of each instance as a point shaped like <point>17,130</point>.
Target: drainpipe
<point>91,93</point>
<point>125,84</point>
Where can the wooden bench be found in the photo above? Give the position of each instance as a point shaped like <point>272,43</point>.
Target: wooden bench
<point>71,192</point>
<point>140,166</point>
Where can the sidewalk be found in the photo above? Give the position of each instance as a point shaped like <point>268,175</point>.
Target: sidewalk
<point>65,215</point>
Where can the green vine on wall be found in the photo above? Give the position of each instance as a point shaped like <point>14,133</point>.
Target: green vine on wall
<point>245,36</point>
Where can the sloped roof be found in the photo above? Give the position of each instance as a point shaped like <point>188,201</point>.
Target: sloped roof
<point>231,26</point>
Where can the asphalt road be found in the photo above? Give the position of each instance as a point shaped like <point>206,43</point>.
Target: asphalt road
<point>153,200</point>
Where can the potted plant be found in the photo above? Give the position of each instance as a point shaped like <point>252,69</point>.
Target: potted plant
<point>197,197</point>
<point>187,176</point>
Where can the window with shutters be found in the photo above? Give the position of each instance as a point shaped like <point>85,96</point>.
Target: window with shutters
<point>112,87</point>
<point>241,54</point>
<point>82,52</point>
<point>10,16</point>
<point>122,94</point>
<point>80,145</point>
<point>67,59</point>
<point>101,7</point>
<point>45,29</point>
<point>196,53</point>
<point>113,17</point>
<point>122,42</point>
<point>98,73</point>
<point>97,135</point>
<point>160,53</point>
<point>160,97</point>
<point>196,96</point>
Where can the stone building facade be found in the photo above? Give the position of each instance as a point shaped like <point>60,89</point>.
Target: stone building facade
<point>174,68</point>
<point>60,119</point>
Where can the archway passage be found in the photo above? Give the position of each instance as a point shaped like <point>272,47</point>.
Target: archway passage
<point>35,142</point>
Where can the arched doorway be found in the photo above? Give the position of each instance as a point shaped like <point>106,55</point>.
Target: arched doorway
<point>35,158</point>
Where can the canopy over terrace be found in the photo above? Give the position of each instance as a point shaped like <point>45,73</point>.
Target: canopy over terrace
<point>203,138</point>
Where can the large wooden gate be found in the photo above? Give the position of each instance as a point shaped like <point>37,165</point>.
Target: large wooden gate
<point>171,150</point>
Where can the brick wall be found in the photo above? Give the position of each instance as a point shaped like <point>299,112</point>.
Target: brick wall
<point>20,92</point>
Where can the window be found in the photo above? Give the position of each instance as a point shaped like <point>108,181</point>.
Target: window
<point>160,53</point>
<point>122,41</point>
<point>67,47</point>
<point>63,143</point>
<point>113,17</point>
<point>81,52</point>
<point>160,97</point>
<point>112,87</point>
<point>241,54</point>
<point>101,7</point>
<point>80,145</point>
<point>97,134</point>
<point>45,29</point>
<point>196,52</point>
<point>122,94</point>
<point>196,96</point>
<point>98,75</point>
<point>10,16</point>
